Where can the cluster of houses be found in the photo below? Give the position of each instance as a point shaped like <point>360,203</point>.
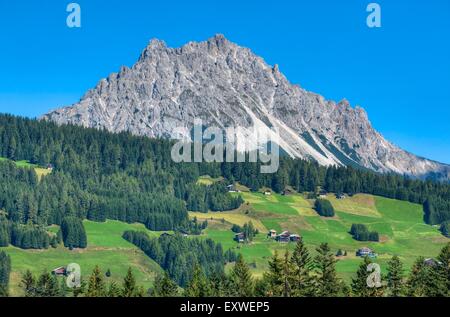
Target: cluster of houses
<point>284,236</point>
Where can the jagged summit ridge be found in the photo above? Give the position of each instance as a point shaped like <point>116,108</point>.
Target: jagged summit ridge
<point>227,85</point>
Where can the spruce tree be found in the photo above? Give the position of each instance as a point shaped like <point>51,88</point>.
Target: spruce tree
<point>275,276</point>
<point>96,285</point>
<point>417,283</point>
<point>300,277</point>
<point>3,291</point>
<point>47,286</point>
<point>113,290</point>
<point>198,286</point>
<point>129,287</point>
<point>395,277</point>
<point>5,270</point>
<point>444,259</point>
<point>164,286</point>
<point>287,273</point>
<point>326,281</point>
<point>28,284</point>
<point>242,284</point>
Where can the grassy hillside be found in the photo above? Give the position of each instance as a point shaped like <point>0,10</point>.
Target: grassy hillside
<point>106,248</point>
<point>399,223</point>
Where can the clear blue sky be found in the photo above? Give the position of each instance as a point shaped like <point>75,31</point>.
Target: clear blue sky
<point>399,73</point>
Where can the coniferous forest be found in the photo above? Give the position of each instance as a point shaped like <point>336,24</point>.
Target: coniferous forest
<point>97,175</point>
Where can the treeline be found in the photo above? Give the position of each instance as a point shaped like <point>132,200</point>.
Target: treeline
<point>97,176</point>
<point>445,228</point>
<point>25,236</point>
<point>436,210</point>
<point>214,197</point>
<point>179,255</point>
<point>73,233</point>
<point>360,232</point>
<point>48,285</point>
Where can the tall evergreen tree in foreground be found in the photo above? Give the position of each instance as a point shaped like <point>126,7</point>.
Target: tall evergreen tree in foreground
<point>47,286</point>
<point>395,277</point>
<point>418,281</point>
<point>96,286</point>
<point>275,276</point>
<point>198,286</point>
<point>164,286</point>
<point>28,284</point>
<point>300,276</point>
<point>444,259</point>
<point>326,281</point>
<point>242,283</point>
<point>129,286</point>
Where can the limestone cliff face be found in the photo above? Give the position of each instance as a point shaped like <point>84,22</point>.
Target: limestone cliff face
<point>227,85</point>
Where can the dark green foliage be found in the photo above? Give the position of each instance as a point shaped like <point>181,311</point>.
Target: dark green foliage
<point>230,256</point>
<point>98,175</point>
<point>198,286</point>
<point>241,281</point>
<point>359,282</point>
<point>178,255</point>
<point>164,286</point>
<point>73,233</point>
<point>249,231</point>
<point>326,281</point>
<point>129,286</point>
<point>96,284</point>
<point>395,277</point>
<point>5,270</point>
<point>274,276</point>
<point>418,283</point>
<point>361,233</point>
<point>236,229</point>
<point>5,234</point>
<point>445,228</point>
<point>324,208</point>
<point>214,197</point>
<point>301,281</point>
<point>193,227</point>
<point>437,210</point>
<point>23,236</point>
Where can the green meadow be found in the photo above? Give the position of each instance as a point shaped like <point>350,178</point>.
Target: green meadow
<point>399,223</point>
<point>106,248</point>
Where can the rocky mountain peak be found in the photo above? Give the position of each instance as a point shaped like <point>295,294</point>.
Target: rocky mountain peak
<point>228,85</point>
